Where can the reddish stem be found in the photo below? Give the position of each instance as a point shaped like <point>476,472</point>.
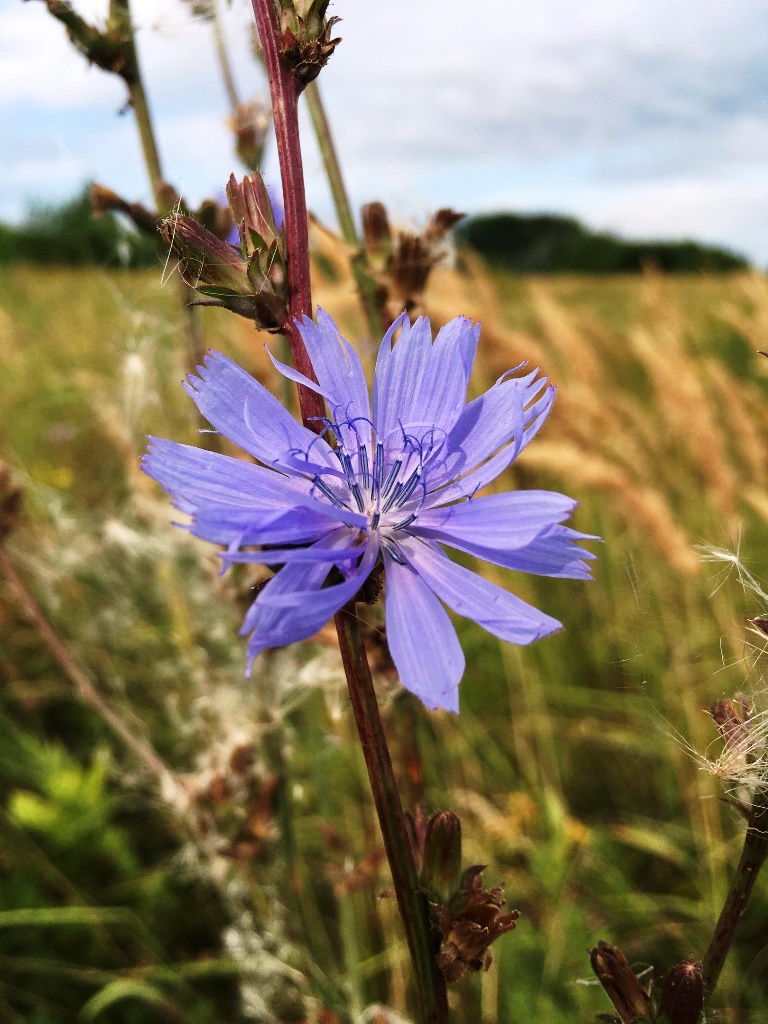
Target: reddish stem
<point>430,983</point>
<point>284,90</point>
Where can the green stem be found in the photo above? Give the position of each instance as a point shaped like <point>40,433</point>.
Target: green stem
<point>224,64</point>
<point>366,285</point>
<point>753,855</point>
<point>120,23</point>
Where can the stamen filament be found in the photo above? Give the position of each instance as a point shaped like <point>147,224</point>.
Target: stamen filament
<point>322,486</point>
<point>406,522</point>
<point>409,487</point>
<point>392,477</point>
<point>392,497</point>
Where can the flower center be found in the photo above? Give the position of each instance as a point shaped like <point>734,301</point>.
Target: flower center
<point>381,478</point>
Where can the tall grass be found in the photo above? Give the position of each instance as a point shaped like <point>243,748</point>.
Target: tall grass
<point>569,765</point>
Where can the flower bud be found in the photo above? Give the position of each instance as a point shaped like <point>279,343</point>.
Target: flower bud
<point>441,863</point>
<point>250,281</point>
<point>682,994</point>
<point>619,982</point>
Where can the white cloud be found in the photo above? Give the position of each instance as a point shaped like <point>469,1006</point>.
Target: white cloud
<point>640,114</point>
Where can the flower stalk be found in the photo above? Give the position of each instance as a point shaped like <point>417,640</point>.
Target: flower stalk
<point>430,984</point>
<point>113,49</point>
<point>753,855</point>
<point>285,90</point>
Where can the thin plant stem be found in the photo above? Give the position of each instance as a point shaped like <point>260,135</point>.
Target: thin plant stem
<point>120,18</point>
<point>412,904</point>
<point>429,982</point>
<point>224,62</point>
<point>167,782</point>
<point>366,285</point>
<point>753,855</point>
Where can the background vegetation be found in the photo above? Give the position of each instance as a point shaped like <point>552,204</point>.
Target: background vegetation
<point>250,889</point>
<point>547,244</point>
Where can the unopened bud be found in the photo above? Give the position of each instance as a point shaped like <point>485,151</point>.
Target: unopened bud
<point>250,123</point>
<point>441,864</point>
<point>682,994</point>
<point>250,282</point>
<point>620,983</point>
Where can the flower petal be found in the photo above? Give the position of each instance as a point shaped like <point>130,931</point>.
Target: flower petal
<point>294,604</point>
<point>468,594</point>
<point>420,386</point>
<point>500,522</point>
<point>245,412</point>
<point>337,366</point>
<point>553,553</point>
<point>489,435</point>
<point>421,637</point>
<point>283,556</point>
<point>233,500</point>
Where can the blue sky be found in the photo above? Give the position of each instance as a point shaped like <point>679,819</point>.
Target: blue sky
<point>647,117</point>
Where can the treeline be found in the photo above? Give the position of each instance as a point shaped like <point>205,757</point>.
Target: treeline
<point>70,234</point>
<point>548,244</point>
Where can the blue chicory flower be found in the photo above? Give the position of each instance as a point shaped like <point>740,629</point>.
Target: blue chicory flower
<point>394,482</point>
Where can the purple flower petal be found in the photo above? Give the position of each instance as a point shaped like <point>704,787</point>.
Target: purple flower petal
<point>501,522</point>
<point>467,594</point>
<point>233,500</point>
<point>420,386</point>
<point>337,367</point>
<point>496,420</point>
<point>245,412</point>
<point>294,604</point>
<point>421,638</point>
<point>553,553</point>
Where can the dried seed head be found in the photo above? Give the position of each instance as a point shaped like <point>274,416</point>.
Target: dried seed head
<point>469,924</point>
<point>620,983</point>
<point>401,261</point>
<point>250,123</point>
<point>682,994</point>
<point>305,33</point>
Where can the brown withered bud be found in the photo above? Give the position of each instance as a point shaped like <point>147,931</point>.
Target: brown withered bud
<point>762,624</point>
<point>401,261</point>
<point>107,48</point>
<point>104,200</point>
<point>250,123</point>
<point>620,983</point>
<point>377,236</point>
<point>733,724</point>
<point>10,502</point>
<point>250,281</point>
<point>682,994</point>
<point>305,34</point>
<point>469,924</point>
